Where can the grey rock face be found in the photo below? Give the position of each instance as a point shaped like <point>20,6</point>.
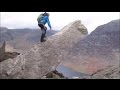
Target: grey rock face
<point>44,57</point>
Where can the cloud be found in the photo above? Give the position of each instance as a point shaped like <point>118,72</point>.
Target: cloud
<point>58,19</point>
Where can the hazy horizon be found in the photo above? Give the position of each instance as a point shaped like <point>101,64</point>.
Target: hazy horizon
<point>91,20</point>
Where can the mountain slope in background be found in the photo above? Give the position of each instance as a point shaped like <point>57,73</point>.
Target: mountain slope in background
<point>98,50</point>
<point>21,38</point>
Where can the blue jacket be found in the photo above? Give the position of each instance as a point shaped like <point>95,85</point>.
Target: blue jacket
<point>45,20</point>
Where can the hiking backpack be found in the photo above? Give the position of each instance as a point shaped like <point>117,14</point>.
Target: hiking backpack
<point>40,17</point>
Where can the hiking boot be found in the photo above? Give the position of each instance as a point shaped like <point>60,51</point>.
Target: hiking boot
<point>45,37</point>
<point>43,40</point>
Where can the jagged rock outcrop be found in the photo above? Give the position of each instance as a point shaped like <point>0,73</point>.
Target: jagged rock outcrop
<point>54,75</point>
<point>4,55</point>
<point>2,52</point>
<point>110,72</point>
<point>43,57</point>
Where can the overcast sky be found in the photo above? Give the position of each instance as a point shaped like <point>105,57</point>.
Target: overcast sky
<point>58,19</point>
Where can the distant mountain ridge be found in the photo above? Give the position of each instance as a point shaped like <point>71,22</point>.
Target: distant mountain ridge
<point>25,36</point>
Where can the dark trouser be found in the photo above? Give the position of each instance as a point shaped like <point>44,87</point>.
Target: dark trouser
<point>43,29</point>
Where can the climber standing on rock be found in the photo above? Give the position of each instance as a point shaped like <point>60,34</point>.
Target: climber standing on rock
<point>42,20</point>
